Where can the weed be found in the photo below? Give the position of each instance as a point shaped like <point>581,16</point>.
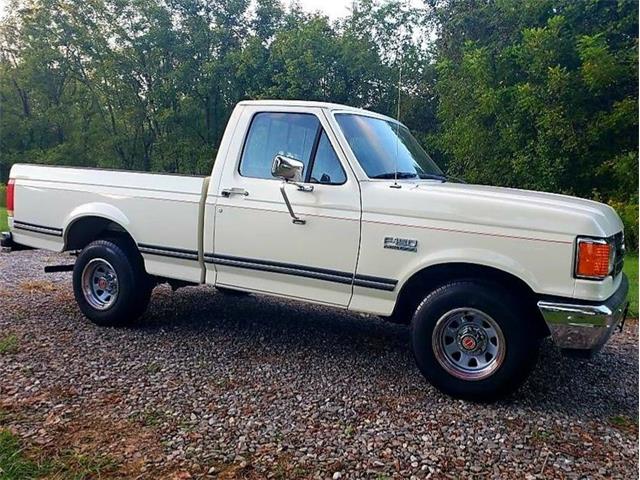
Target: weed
<point>153,367</point>
<point>623,422</point>
<point>9,344</point>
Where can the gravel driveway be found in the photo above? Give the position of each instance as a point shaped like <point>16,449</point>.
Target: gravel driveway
<point>213,385</point>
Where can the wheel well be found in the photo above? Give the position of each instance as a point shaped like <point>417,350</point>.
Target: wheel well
<point>430,278</point>
<point>87,229</point>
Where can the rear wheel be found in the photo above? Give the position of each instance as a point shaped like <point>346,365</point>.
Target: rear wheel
<point>110,284</point>
<point>474,340</point>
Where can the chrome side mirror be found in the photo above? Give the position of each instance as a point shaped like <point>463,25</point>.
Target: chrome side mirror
<point>287,168</point>
<point>290,171</point>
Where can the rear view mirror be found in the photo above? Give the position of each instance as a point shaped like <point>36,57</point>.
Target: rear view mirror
<point>287,168</point>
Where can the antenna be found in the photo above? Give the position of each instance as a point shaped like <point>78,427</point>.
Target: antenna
<point>399,90</point>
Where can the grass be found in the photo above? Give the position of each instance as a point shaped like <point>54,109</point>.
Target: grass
<point>4,226</point>
<point>75,466</point>
<point>15,464</point>
<point>151,417</point>
<point>8,344</point>
<point>624,422</point>
<point>153,367</point>
<point>631,270</point>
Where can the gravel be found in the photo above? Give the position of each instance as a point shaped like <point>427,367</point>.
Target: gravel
<point>210,385</point>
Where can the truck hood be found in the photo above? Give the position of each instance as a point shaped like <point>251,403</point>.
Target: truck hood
<point>547,214</point>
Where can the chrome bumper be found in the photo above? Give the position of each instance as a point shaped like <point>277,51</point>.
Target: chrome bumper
<point>584,327</point>
<point>7,243</point>
<point>6,240</point>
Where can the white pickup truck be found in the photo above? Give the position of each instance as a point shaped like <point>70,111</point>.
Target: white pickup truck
<point>335,205</point>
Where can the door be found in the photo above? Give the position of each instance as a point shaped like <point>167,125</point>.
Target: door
<point>257,246</point>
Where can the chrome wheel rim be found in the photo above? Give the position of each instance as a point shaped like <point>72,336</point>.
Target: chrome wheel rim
<point>468,344</point>
<point>99,284</point>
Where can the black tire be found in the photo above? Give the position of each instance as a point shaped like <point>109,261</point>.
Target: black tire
<point>517,328</point>
<point>134,286</point>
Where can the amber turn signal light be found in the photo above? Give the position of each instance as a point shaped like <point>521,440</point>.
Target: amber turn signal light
<point>593,259</point>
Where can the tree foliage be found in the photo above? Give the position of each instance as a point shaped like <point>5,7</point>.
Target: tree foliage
<point>150,84</point>
<point>547,99</point>
<point>537,94</point>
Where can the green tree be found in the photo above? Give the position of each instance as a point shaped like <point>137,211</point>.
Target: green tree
<point>540,96</point>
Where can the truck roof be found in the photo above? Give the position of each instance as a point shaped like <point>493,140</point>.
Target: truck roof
<point>306,103</point>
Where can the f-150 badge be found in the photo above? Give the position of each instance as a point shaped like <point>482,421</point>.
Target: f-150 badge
<point>404,244</point>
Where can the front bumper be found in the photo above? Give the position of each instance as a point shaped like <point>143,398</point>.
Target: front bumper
<point>581,327</point>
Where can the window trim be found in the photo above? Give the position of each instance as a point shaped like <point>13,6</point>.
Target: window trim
<point>314,152</point>
<point>312,156</point>
<point>246,138</point>
<point>312,162</point>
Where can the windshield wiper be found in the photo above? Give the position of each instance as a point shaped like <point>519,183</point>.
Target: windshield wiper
<point>392,175</point>
<point>433,176</point>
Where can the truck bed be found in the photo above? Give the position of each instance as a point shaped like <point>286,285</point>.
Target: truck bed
<point>156,209</point>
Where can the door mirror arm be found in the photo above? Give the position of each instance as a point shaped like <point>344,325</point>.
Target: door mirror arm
<point>297,220</point>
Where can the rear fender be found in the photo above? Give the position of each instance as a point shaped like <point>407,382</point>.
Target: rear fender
<point>96,209</point>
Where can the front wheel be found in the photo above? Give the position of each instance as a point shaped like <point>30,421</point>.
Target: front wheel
<point>110,284</point>
<point>474,341</point>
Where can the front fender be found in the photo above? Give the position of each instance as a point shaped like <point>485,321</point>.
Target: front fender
<point>477,256</point>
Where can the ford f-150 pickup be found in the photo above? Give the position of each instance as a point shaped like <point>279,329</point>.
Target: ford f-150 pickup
<point>340,206</point>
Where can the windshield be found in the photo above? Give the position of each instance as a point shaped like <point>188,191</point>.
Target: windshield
<point>376,143</point>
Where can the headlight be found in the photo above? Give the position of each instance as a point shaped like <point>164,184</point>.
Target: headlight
<point>595,258</point>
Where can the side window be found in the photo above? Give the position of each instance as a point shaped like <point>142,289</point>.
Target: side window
<point>326,166</point>
<point>271,134</point>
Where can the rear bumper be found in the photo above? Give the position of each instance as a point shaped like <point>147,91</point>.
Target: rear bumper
<point>6,241</point>
<point>584,327</point>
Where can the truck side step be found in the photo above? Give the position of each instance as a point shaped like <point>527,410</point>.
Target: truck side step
<point>58,268</point>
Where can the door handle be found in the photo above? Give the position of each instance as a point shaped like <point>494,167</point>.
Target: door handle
<point>227,192</point>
